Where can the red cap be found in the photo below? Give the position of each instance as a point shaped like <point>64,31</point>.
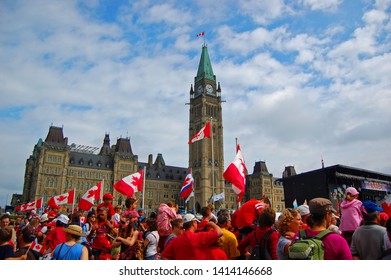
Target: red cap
<point>108,196</point>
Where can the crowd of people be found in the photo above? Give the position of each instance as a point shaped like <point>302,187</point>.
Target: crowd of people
<point>361,231</point>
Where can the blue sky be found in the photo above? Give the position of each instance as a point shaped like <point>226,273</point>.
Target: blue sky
<point>302,79</point>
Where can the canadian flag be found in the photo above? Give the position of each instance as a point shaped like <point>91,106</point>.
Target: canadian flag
<point>37,247</point>
<point>187,186</point>
<point>87,200</point>
<point>62,199</point>
<point>201,34</point>
<point>203,133</point>
<point>130,184</point>
<point>236,174</point>
<point>30,206</point>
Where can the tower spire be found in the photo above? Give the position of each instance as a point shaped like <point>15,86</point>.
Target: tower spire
<point>205,69</point>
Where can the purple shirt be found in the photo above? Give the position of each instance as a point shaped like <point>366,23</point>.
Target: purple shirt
<point>335,246</point>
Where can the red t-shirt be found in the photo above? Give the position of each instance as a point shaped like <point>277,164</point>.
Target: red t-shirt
<point>55,237</point>
<point>101,238</point>
<point>191,246</point>
<point>105,257</point>
<point>201,225</point>
<point>111,209</point>
<point>248,213</point>
<point>216,253</point>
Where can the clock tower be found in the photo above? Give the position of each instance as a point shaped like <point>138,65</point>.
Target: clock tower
<point>206,157</point>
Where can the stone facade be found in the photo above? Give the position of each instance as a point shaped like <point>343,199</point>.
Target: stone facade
<point>56,167</point>
<point>261,183</point>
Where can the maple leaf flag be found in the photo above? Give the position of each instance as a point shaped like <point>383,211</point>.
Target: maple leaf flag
<point>130,184</point>
<point>31,205</point>
<point>187,186</point>
<point>37,247</point>
<point>236,174</point>
<point>62,199</point>
<point>87,200</point>
<point>203,133</point>
<point>201,34</point>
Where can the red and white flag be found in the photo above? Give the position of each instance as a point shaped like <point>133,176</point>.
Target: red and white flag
<point>187,186</point>
<point>30,206</point>
<point>87,200</point>
<point>130,184</point>
<point>203,133</point>
<point>236,174</point>
<point>37,247</point>
<point>201,34</point>
<point>65,198</point>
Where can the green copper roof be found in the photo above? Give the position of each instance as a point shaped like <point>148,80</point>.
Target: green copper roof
<point>205,67</point>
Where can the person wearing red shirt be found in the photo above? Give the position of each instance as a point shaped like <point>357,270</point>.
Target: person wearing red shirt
<point>266,220</point>
<point>247,215</point>
<point>108,203</point>
<point>192,245</point>
<point>102,232</point>
<point>205,212</point>
<point>57,236</point>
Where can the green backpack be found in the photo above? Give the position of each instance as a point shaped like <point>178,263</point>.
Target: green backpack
<point>308,248</point>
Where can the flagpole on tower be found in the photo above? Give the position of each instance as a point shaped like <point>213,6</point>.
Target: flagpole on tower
<point>213,179</point>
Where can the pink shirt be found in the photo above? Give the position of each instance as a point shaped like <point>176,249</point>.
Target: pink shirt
<point>351,216</point>
<point>164,216</point>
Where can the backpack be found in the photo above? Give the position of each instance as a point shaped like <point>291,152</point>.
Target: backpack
<point>308,248</point>
<point>260,251</point>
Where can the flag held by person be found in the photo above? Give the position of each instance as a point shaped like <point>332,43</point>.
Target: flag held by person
<point>218,197</point>
<point>37,247</point>
<point>203,133</point>
<point>236,174</point>
<point>130,184</point>
<point>187,186</point>
<point>36,204</point>
<point>65,198</point>
<point>87,200</point>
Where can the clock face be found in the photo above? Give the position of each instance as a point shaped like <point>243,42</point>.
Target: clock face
<point>209,89</point>
<point>199,89</point>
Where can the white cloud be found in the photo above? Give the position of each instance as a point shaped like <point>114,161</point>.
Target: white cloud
<point>263,12</point>
<point>165,13</point>
<point>321,4</point>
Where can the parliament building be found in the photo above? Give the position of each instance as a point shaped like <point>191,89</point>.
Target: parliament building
<point>56,167</point>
